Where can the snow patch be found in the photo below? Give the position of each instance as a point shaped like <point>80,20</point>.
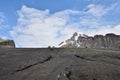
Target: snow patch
<point>62,43</point>
<point>80,34</point>
<point>76,35</point>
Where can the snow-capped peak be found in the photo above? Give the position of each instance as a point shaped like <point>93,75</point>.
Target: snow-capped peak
<point>76,35</point>
<point>79,40</point>
<point>73,39</point>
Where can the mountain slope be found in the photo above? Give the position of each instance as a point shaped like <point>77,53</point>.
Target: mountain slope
<point>59,64</point>
<point>110,40</point>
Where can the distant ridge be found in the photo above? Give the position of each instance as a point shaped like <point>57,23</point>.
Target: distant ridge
<point>78,40</point>
<point>6,43</point>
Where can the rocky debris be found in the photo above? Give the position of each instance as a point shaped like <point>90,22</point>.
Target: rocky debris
<point>51,48</point>
<point>59,64</point>
<point>7,43</point>
<point>110,40</point>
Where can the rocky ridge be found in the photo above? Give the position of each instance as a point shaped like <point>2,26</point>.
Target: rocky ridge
<point>6,43</point>
<point>110,40</point>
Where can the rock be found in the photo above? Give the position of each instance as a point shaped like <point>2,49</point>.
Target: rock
<point>110,40</point>
<point>59,64</point>
<point>7,43</point>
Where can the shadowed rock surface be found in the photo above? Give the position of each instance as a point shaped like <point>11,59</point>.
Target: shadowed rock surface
<point>59,64</point>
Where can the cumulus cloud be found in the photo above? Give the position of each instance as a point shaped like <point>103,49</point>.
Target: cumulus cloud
<point>39,28</point>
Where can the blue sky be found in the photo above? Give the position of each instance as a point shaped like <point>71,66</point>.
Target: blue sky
<point>40,23</point>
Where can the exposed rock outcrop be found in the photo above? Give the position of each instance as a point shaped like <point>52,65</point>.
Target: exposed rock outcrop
<point>59,64</point>
<point>7,43</point>
<point>110,40</point>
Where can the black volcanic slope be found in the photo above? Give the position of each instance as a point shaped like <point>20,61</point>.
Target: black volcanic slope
<point>59,64</point>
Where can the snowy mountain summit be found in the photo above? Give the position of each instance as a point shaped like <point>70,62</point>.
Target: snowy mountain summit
<point>78,40</point>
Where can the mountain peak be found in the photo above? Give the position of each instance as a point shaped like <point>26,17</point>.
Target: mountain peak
<point>77,35</point>
<point>79,40</point>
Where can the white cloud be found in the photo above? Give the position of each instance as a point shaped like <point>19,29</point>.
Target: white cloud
<point>99,10</point>
<point>110,29</point>
<point>95,10</point>
<point>39,28</point>
<point>2,20</point>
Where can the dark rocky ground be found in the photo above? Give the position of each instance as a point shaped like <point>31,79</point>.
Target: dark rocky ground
<point>59,64</point>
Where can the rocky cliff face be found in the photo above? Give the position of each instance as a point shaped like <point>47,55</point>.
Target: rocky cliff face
<point>98,41</point>
<point>7,43</point>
